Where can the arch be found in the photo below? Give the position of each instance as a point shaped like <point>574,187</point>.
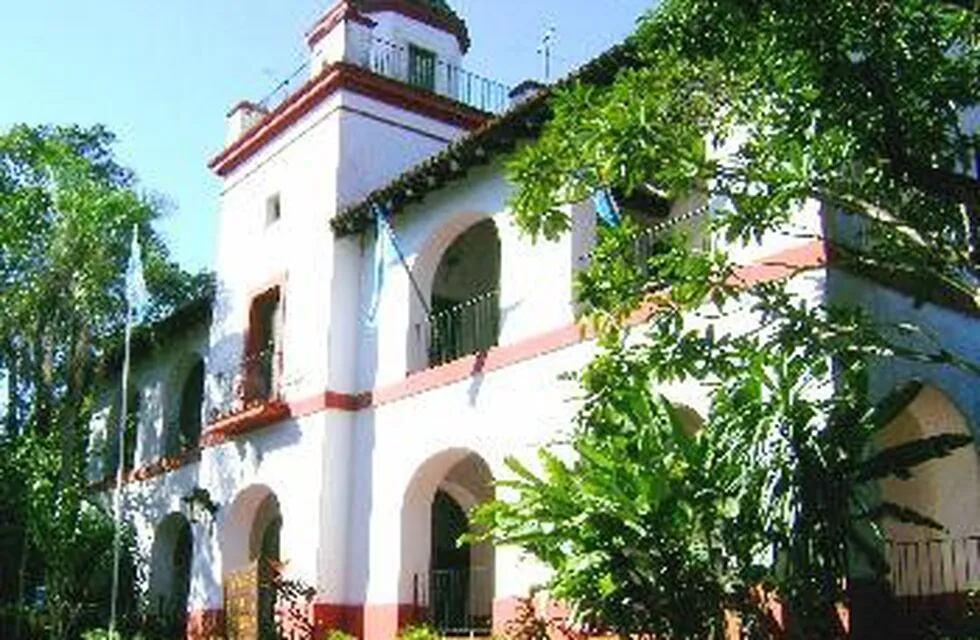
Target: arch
<point>170,574</point>
<point>186,400</point>
<point>458,273</point>
<point>946,490</point>
<point>250,558</point>
<point>424,271</point>
<point>244,526</point>
<point>452,585</point>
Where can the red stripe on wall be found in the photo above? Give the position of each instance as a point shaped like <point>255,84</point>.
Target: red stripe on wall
<point>779,266</point>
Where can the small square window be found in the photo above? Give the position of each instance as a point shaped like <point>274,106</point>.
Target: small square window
<point>273,209</point>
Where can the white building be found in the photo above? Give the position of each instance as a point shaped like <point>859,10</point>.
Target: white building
<point>347,436</point>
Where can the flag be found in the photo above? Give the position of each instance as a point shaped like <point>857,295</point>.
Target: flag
<point>137,297</point>
<point>385,254</point>
<point>606,207</point>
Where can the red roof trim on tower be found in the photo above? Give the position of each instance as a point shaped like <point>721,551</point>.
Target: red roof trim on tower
<point>343,11</point>
<point>422,14</point>
<point>341,75</point>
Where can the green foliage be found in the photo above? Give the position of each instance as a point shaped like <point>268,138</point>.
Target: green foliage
<point>419,632</point>
<point>334,634</point>
<point>67,210</point>
<point>759,108</point>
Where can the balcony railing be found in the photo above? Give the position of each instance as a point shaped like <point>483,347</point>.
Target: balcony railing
<point>417,68</point>
<point>935,582</point>
<point>256,381</point>
<point>651,240</point>
<point>457,602</point>
<point>469,327</point>
<point>933,567</point>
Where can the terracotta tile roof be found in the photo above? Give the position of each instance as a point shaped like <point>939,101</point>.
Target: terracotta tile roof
<point>499,135</point>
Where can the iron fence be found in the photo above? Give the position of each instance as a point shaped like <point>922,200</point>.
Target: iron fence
<point>935,566</point>
<point>935,582</point>
<point>457,602</point>
<point>413,66</point>
<point>469,327</point>
<point>652,240</point>
<point>256,380</point>
<point>424,70</point>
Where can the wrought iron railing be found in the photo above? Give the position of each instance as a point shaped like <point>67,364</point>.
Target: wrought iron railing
<point>935,586</point>
<point>652,240</point>
<point>257,380</point>
<point>457,602</point>
<point>469,327</point>
<point>426,71</point>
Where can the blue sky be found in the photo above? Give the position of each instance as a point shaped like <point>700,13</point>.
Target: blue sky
<point>161,74</point>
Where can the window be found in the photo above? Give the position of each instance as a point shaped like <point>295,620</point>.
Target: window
<point>262,348</point>
<point>191,399</point>
<point>421,68</point>
<point>273,209</point>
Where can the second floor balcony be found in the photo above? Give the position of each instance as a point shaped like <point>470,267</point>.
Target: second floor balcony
<point>249,394</point>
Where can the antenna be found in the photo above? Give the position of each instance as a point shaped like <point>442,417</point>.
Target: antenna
<point>545,51</point>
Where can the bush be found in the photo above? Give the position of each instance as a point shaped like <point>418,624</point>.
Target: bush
<point>419,632</point>
<point>336,634</point>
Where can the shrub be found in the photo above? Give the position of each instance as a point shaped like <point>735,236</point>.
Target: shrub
<point>419,632</point>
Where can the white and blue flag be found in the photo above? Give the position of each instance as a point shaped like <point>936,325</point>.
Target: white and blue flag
<point>606,207</point>
<point>137,297</point>
<point>385,254</point>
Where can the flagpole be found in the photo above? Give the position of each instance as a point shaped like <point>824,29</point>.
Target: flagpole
<point>120,464</point>
<point>136,299</point>
<point>380,211</point>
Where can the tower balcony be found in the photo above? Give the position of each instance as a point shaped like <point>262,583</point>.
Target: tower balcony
<point>411,65</point>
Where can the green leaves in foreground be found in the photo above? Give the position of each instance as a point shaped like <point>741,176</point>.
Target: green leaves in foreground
<point>67,211</point>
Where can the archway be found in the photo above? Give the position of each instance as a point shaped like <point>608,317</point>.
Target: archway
<point>458,273</point>
<point>250,548</point>
<point>449,584</point>
<point>170,574</point>
<point>925,562</point>
<point>464,300</point>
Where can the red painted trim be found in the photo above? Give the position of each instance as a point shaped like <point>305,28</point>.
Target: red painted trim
<point>151,470</point>
<point>206,624</point>
<point>329,400</point>
<point>343,11</point>
<point>481,363</point>
<point>421,13</point>
<point>782,265</point>
<point>247,421</point>
<point>334,77</point>
<point>365,621</point>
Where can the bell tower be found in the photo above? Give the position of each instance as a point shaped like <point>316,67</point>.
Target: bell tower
<point>384,90</point>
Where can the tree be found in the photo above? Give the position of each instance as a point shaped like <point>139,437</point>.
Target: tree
<point>757,107</point>
<point>68,210</point>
